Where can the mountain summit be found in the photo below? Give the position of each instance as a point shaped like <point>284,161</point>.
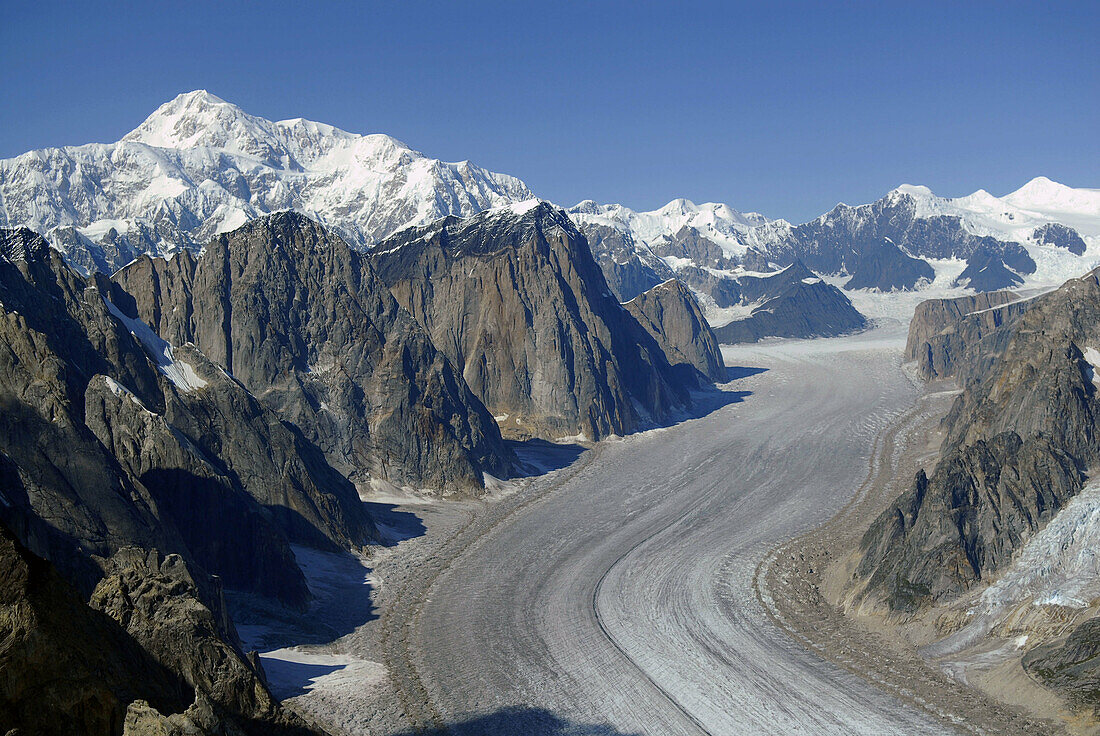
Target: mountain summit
<point>200,166</point>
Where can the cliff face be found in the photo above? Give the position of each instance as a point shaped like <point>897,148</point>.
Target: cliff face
<point>884,267</point>
<point>104,443</point>
<point>515,300</point>
<point>963,336</point>
<point>1017,440</point>
<point>301,320</point>
<point>996,266</point>
<point>113,444</point>
<point>670,314</point>
<point>1054,233</point>
<point>180,619</point>
<point>957,527</point>
<point>1070,666</point>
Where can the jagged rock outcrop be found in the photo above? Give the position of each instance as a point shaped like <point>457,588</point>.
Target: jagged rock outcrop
<point>1018,439</point>
<point>1071,665</point>
<point>113,443</point>
<point>791,303</point>
<point>180,619</point>
<point>1057,234</point>
<point>630,268</point>
<point>514,298</point>
<point>721,288</point>
<point>671,315</point>
<point>688,242</point>
<point>148,655</point>
<point>66,668</point>
<point>951,530</point>
<point>996,266</point>
<point>885,267</point>
<point>112,437</point>
<point>963,336</point>
<point>205,505</point>
<point>907,218</point>
<point>300,319</point>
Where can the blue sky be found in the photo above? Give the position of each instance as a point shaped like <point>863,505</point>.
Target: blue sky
<point>783,108</point>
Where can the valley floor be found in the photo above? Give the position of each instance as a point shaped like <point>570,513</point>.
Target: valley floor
<point>616,595</point>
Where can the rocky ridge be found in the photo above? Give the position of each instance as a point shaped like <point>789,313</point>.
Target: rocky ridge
<point>147,655</point>
<point>791,303</point>
<point>1017,440</point>
<point>670,314</point>
<point>115,444</point>
<point>109,441</point>
<point>515,300</point>
<point>962,336</point>
<point>299,318</point>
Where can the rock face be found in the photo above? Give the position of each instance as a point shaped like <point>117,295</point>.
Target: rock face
<point>1070,666</point>
<point>515,300</point>
<point>953,529</point>
<point>112,437</point>
<point>301,320</point>
<point>66,361</point>
<point>1057,234</point>
<point>114,443</point>
<point>723,290</point>
<point>998,266</point>
<point>630,268</point>
<point>64,667</point>
<point>1017,440</point>
<point>884,267</point>
<point>147,644</point>
<point>181,621</point>
<point>962,337</point>
<point>670,314</point>
<point>791,303</point>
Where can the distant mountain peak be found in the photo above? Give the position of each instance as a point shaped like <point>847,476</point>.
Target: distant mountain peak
<point>199,166</point>
<point>1044,194</point>
<point>917,191</point>
<point>196,119</point>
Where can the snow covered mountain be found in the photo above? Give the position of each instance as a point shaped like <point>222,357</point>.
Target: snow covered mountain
<point>1041,234</point>
<point>719,223</point>
<point>199,166</point>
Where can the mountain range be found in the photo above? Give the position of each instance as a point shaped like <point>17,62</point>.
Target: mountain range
<point>200,166</point>
<point>218,332</point>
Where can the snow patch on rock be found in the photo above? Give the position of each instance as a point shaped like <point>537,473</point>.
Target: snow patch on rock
<point>179,372</point>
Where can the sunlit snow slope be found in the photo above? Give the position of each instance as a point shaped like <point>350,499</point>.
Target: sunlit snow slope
<point>199,166</point>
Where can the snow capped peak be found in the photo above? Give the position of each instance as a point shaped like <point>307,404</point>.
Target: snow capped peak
<point>716,222</point>
<point>1040,186</point>
<point>678,206</point>
<point>586,207</point>
<point>914,190</point>
<point>196,119</point>
<point>200,165</point>
<point>1041,195</point>
<point>201,97</point>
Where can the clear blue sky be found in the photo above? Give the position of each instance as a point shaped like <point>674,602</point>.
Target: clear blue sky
<point>784,108</point>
